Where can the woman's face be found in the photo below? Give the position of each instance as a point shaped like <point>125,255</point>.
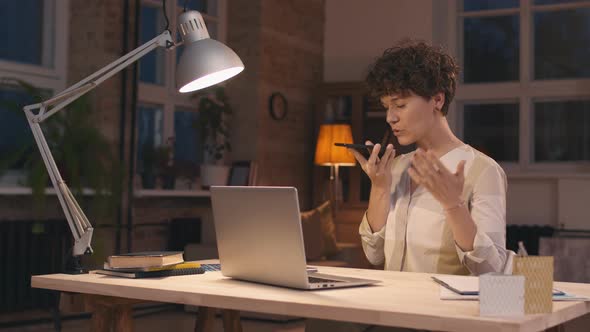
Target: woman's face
<point>411,116</point>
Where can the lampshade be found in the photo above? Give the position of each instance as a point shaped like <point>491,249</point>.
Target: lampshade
<point>326,153</point>
<point>205,61</point>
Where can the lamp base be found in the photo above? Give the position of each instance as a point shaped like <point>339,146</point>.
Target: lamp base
<point>74,265</point>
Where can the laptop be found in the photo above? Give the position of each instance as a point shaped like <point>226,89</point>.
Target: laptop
<point>259,238</point>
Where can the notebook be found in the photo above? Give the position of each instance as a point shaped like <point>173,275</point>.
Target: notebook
<point>152,274</point>
<point>466,285</point>
<point>447,294</point>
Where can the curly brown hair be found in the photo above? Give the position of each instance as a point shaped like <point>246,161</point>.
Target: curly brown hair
<point>417,67</point>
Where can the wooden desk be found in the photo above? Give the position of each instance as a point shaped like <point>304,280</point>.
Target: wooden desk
<point>403,299</point>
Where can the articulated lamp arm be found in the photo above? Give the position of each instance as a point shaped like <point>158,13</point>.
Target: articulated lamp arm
<point>79,225</point>
<point>204,62</point>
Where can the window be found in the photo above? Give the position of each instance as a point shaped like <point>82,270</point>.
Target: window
<point>562,130</point>
<point>561,53</point>
<point>34,53</point>
<point>523,96</point>
<point>166,116</point>
<point>492,129</point>
<point>149,134</point>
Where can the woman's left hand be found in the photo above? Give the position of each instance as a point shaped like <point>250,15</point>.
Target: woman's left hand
<point>428,171</point>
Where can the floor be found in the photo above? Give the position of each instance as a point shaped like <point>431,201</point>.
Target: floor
<point>170,319</point>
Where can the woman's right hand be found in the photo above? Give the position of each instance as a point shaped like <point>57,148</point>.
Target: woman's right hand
<point>377,169</point>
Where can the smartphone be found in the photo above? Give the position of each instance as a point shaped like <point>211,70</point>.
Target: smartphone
<point>363,149</point>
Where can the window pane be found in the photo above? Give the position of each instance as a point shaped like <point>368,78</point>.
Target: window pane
<point>178,52</point>
<point>199,5</point>
<point>15,133</point>
<point>188,151</point>
<point>562,131</point>
<point>151,66</point>
<point>490,52</point>
<point>150,125</point>
<point>476,5</point>
<point>203,6</point>
<point>561,44</point>
<point>24,42</point>
<point>492,129</point>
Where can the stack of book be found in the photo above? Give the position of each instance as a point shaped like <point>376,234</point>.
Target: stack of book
<point>149,264</point>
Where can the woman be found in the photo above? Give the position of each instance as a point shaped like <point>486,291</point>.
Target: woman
<point>441,208</point>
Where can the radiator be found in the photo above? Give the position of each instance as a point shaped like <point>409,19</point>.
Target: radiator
<point>30,248</point>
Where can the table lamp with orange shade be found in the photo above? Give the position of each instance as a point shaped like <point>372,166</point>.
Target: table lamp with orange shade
<point>327,154</point>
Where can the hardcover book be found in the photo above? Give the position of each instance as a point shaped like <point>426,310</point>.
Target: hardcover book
<point>145,259</point>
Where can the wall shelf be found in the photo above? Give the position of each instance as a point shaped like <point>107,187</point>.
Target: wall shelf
<point>16,191</point>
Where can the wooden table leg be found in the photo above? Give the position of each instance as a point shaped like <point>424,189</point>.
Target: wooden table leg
<point>205,319</point>
<point>231,320</point>
<point>101,318</point>
<point>123,318</point>
<point>109,311</point>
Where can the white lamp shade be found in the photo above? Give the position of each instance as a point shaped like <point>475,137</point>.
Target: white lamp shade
<point>204,63</point>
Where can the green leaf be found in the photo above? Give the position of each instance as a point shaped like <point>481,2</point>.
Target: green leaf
<point>81,152</point>
<point>213,120</point>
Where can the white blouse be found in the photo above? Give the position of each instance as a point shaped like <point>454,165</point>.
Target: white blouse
<point>416,236</point>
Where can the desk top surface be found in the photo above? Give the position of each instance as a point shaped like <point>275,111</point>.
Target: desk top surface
<point>402,299</point>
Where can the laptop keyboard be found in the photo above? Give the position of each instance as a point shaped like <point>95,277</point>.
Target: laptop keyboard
<point>211,267</point>
<point>314,280</point>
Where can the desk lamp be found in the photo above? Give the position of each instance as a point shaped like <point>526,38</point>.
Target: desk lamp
<point>204,62</point>
<point>327,154</point>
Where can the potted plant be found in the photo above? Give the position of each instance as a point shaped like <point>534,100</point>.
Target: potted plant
<point>157,167</point>
<point>165,164</point>
<point>82,154</point>
<point>213,127</point>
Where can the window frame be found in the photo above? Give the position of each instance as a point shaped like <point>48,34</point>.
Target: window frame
<point>166,95</point>
<point>51,78</point>
<point>526,90</point>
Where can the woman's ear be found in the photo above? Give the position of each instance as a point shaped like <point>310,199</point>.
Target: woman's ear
<point>439,101</point>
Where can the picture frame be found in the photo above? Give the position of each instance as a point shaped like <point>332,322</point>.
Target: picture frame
<point>242,173</point>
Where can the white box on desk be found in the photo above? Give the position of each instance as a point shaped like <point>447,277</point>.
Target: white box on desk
<point>501,295</point>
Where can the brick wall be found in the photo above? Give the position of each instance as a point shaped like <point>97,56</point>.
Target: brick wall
<point>281,43</point>
<point>96,39</point>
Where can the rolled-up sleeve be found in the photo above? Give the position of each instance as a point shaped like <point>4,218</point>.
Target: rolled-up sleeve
<point>488,210</point>
<point>372,242</point>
